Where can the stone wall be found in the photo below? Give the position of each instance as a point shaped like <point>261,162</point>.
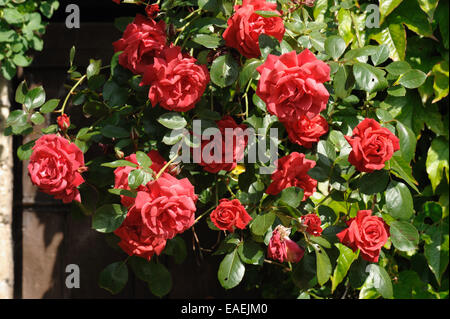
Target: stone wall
<point>6,194</point>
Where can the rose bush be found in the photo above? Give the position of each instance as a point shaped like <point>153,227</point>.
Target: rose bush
<point>355,202</point>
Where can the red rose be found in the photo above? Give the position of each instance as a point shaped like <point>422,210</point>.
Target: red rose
<point>292,170</point>
<point>367,233</point>
<point>63,122</point>
<point>136,238</point>
<point>372,145</point>
<point>116,1</point>
<point>121,174</point>
<point>282,248</point>
<point>312,222</point>
<point>152,10</point>
<point>168,207</point>
<point>230,214</point>
<point>245,27</point>
<point>291,85</point>
<point>142,40</point>
<point>176,82</point>
<point>239,145</point>
<point>306,131</point>
<point>55,167</point>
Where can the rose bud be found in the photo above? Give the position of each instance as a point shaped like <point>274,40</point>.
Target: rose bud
<point>282,248</point>
<point>63,122</point>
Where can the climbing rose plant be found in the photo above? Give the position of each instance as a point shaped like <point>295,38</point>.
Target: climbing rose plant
<point>355,204</point>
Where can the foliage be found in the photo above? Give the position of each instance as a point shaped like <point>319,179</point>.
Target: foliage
<point>396,74</point>
<point>21,29</point>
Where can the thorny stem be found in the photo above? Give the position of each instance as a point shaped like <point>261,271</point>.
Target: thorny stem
<point>71,92</point>
<point>278,264</point>
<point>165,166</point>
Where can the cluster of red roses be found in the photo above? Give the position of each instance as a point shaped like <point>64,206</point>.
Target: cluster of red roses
<point>292,87</point>
<point>163,208</point>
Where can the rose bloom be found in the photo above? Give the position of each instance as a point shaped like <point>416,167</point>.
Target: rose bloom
<point>372,145</point>
<point>367,233</point>
<point>292,170</point>
<point>230,214</point>
<point>63,122</point>
<point>121,174</point>
<point>55,166</point>
<point>167,207</point>
<point>152,10</point>
<point>136,238</point>
<point>282,248</point>
<point>245,27</point>
<point>237,151</point>
<point>176,82</point>
<point>142,40</point>
<point>312,223</point>
<point>306,131</point>
<point>291,85</point>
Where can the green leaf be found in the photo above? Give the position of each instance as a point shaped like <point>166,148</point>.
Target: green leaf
<point>249,71</point>
<point>428,6</point>
<point>343,82</point>
<point>292,196</point>
<point>231,270</point>
<point>269,45</point>
<point>412,79</point>
<point>335,46</point>
<point>407,142</point>
<point>160,279</point>
<point>24,151</point>
<point>8,69</point>
<point>380,280</point>
<point>394,36</point>
<point>17,118</point>
<point>369,78</point>
<point>397,91</point>
<point>114,277</point>
<point>398,67</point>
<point>34,98</point>
<point>172,120</point>
<point>345,25</point>
<point>381,55</point>
<point>49,106</point>
<point>404,235</point>
<point>93,68</point>
<point>176,247</point>
<point>344,261</point>
<point>114,94</point>
<point>108,218</point>
<point>323,264</point>
<point>224,71</point>
<point>138,177</point>
<point>143,159</point>
<point>437,161</point>
<point>21,92</point>
<point>441,81</point>
<point>386,7</point>
<point>399,201</point>
<point>251,253</point>
<point>267,14</point>
<point>374,183</point>
<point>436,249</point>
<point>262,222</point>
<point>208,41</point>
<point>112,131</point>
<point>37,118</point>
<point>401,168</point>
<point>119,163</point>
<point>21,60</point>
